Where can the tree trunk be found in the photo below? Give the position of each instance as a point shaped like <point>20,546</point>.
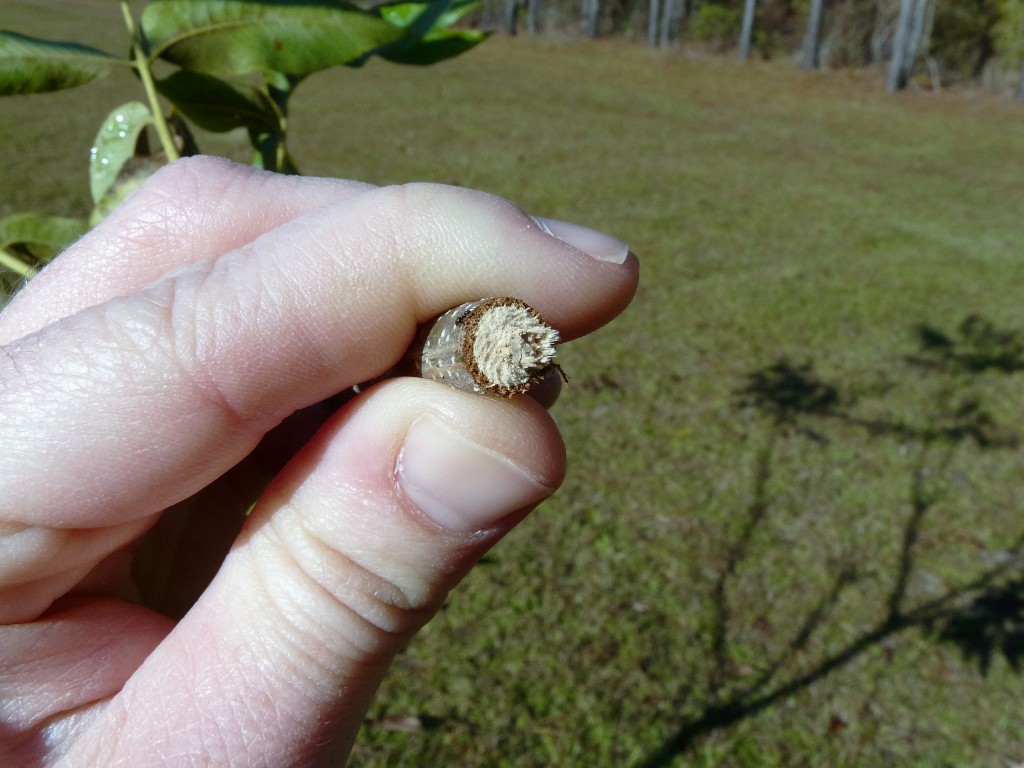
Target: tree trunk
<point>533,10</point>
<point>747,34</point>
<point>812,41</point>
<point>1020,84</point>
<point>899,69</point>
<point>511,16</point>
<point>652,23</point>
<point>912,31</point>
<point>671,21</point>
<point>591,17</point>
<point>919,28</point>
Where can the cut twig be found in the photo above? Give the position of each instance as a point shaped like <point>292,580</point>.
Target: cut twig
<point>498,346</point>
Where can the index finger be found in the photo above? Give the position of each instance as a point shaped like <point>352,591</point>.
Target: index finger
<point>132,405</point>
<point>197,209</point>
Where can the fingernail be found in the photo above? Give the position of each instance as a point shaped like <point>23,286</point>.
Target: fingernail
<point>599,245</point>
<point>459,484</point>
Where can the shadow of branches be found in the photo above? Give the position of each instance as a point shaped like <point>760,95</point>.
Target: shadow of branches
<point>983,616</point>
<point>978,345</point>
<point>990,624</point>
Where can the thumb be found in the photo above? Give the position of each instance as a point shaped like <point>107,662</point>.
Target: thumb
<point>349,553</point>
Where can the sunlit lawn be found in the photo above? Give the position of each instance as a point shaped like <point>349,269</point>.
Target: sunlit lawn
<point>792,529</point>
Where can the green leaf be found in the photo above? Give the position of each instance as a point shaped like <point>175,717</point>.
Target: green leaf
<point>132,176</point>
<point>236,37</point>
<point>429,40</point>
<point>441,45</point>
<point>32,65</point>
<point>218,105</point>
<point>115,145</point>
<point>424,18</point>
<point>37,236</point>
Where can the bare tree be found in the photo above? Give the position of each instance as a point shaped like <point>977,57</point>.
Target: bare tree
<point>812,40</point>
<point>912,31</point>
<point>899,70</point>
<point>671,20</point>
<point>512,16</point>
<point>533,11</point>
<point>920,30</point>
<point>664,20</point>
<point>653,13</point>
<point>747,33</point>
<point>591,17</point>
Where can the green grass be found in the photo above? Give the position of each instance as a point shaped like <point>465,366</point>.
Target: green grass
<point>791,533</point>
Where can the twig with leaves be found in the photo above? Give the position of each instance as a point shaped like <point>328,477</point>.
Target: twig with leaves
<point>216,47</point>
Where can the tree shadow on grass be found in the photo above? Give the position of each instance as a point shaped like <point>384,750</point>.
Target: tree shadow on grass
<point>977,346</point>
<point>991,624</point>
<point>983,617</point>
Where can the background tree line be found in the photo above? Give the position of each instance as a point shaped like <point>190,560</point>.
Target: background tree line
<point>938,41</point>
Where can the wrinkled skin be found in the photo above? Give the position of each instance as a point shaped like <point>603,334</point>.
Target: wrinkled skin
<point>185,358</point>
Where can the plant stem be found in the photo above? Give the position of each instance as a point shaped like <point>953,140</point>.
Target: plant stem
<point>16,265</point>
<point>498,346</point>
<point>279,89</point>
<point>142,65</point>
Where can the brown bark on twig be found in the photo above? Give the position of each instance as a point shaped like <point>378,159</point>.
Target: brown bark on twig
<point>498,346</point>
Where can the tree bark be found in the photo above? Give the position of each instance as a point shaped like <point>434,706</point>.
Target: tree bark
<point>912,32</point>
<point>653,14</point>
<point>591,17</point>
<point>512,16</point>
<point>533,11</point>
<point>919,28</point>
<point>899,70</point>
<point>747,33</point>
<point>812,41</point>
<point>671,20</point>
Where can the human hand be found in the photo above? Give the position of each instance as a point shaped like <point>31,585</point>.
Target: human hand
<point>162,370</point>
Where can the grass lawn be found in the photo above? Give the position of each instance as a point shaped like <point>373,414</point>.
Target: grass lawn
<point>793,530</point>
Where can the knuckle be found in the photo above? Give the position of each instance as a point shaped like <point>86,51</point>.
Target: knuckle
<point>337,591</point>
